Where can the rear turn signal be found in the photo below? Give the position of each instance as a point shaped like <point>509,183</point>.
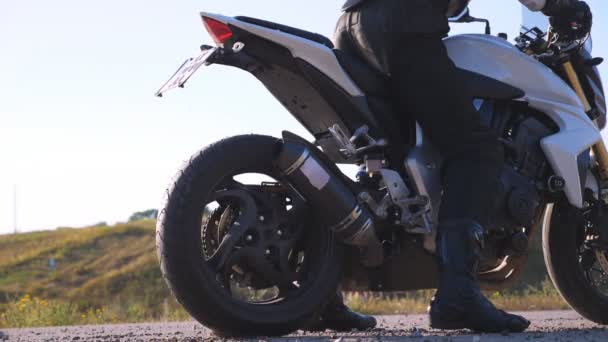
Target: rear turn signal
<point>219,31</point>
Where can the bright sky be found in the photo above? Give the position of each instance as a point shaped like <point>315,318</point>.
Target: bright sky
<point>81,135</point>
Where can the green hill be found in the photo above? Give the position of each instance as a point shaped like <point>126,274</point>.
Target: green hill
<point>96,267</point>
<point>114,269</point>
<point>97,263</point>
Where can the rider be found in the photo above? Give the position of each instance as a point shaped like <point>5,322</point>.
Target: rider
<point>402,39</point>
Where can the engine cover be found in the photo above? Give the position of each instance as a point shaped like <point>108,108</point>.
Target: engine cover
<point>521,129</point>
<point>522,204</point>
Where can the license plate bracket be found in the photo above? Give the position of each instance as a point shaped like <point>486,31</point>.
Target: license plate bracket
<point>186,70</point>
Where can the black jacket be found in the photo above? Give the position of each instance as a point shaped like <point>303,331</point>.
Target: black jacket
<point>551,7</point>
<point>400,16</point>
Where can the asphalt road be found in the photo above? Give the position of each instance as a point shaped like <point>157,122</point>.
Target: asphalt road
<point>546,326</point>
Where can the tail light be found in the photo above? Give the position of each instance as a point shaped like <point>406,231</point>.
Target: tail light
<point>219,31</point>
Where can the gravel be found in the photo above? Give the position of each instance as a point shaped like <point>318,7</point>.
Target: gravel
<point>546,326</point>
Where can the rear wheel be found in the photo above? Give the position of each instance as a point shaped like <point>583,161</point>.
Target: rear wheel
<point>577,261</point>
<point>240,250</point>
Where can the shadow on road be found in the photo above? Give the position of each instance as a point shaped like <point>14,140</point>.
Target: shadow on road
<point>560,334</point>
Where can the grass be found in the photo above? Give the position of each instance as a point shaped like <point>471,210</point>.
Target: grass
<point>110,274</point>
<point>113,269</point>
<point>30,311</point>
<point>92,263</point>
<point>544,297</point>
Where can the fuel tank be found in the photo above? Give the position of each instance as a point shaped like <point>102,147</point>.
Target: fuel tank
<point>497,58</point>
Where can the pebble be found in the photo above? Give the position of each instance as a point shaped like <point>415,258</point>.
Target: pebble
<point>415,333</point>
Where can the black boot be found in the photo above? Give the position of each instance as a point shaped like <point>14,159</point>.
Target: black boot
<point>339,317</point>
<point>459,303</point>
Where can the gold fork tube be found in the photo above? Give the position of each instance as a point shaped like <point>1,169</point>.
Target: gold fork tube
<point>599,149</point>
<point>575,82</point>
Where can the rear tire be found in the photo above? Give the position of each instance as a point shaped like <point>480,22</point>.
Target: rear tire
<point>560,249</point>
<point>179,247</point>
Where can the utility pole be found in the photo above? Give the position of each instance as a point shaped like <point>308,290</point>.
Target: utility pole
<point>15,208</point>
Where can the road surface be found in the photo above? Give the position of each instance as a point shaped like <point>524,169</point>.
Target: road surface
<point>546,326</point>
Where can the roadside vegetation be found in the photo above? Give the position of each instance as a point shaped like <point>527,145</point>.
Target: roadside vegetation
<point>110,274</point>
<point>543,297</point>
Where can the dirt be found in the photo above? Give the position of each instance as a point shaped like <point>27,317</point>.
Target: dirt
<point>546,326</point>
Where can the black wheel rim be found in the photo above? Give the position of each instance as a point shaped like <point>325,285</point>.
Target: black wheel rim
<point>592,254</point>
<point>257,241</point>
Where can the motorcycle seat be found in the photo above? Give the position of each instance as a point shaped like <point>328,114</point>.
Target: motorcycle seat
<point>315,37</point>
<point>372,82</point>
<point>368,79</point>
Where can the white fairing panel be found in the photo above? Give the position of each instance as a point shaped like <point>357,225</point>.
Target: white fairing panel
<point>545,91</point>
<point>318,55</point>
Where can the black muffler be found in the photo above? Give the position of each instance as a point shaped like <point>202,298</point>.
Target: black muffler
<point>330,197</point>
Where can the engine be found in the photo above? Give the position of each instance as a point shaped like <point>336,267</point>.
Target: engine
<point>526,170</point>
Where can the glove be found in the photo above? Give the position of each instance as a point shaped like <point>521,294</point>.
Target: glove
<point>572,22</point>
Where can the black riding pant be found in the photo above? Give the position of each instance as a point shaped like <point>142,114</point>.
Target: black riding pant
<point>403,40</point>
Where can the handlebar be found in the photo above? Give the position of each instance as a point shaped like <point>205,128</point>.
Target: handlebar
<point>551,51</point>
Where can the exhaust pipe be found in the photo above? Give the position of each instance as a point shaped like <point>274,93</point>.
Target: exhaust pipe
<point>329,197</point>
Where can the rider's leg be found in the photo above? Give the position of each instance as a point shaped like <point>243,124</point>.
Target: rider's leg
<point>427,86</point>
<point>337,316</point>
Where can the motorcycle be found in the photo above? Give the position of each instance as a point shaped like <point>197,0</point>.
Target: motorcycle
<point>257,232</point>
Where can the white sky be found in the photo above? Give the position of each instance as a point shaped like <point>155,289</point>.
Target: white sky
<point>81,134</point>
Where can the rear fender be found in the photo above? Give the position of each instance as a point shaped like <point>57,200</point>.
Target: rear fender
<point>318,55</point>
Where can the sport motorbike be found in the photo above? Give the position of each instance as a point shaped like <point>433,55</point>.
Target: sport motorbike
<point>257,233</point>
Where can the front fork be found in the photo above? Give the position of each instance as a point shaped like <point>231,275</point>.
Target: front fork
<point>599,149</point>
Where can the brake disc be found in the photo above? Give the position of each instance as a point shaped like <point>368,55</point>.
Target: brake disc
<point>602,259</point>
<point>215,228</point>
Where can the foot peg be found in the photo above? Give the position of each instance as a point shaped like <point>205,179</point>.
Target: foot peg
<point>347,145</point>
